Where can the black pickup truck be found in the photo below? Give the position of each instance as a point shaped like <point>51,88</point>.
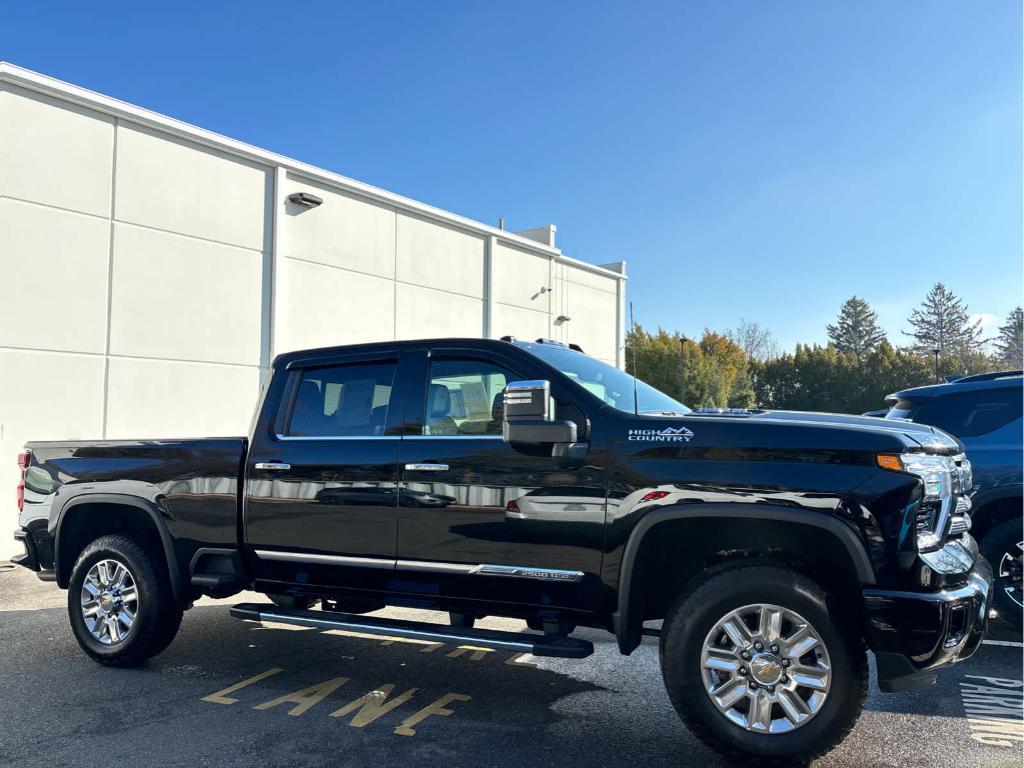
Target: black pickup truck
<point>528,480</point>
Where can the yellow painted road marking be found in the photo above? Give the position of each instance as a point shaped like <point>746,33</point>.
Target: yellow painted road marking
<point>477,652</point>
<point>307,697</point>
<point>436,708</point>
<point>517,661</point>
<point>373,705</point>
<point>221,697</point>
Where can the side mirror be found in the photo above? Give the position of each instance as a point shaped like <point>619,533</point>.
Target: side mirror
<point>529,416</point>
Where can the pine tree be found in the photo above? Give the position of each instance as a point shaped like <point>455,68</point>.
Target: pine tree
<point>856,331</point>
<point>942,323</point>
<point>1010,341</point>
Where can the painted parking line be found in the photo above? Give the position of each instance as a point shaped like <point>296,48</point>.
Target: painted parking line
<point>367,706</point>
<point>363,710</point>
<point>994,708</point>
<point>1009,643</point>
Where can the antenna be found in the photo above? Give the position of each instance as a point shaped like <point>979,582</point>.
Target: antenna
<point>632,324</point>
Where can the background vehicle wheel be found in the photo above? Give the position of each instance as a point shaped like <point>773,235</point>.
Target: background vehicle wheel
<point>1002,547</point>
<point>757,663</point>
<point>120,604</point>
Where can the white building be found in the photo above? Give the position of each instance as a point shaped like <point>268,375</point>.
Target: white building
<point>151,270</point>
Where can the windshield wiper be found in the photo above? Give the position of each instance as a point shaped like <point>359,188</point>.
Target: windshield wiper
<point>662,413</point>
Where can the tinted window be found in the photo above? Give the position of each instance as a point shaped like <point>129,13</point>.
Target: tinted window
<point>464,397</point>
<point>615,387</point>
<point>343,401</point>
<point>971,413</point>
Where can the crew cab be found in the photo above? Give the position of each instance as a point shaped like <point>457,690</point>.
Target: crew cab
<point>528,480</point>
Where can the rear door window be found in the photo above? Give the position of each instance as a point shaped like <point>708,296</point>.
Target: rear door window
<point>343,401</point>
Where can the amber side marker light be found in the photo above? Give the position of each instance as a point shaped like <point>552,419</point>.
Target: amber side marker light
<point>889,461</point>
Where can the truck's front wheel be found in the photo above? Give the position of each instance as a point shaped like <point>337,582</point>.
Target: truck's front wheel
<point>121,607</point>
<point>756,663</point>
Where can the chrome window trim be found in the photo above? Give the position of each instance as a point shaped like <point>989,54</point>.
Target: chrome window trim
<point>425,566</point>
<point>322,438</point>
<point>484,436</point>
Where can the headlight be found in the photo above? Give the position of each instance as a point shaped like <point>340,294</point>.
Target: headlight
<point>935,471</point>
<point>966,474</point>
<point>941,476</point>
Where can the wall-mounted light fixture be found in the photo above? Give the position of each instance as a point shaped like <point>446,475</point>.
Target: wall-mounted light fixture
<point>563,319</point>
<point>304,199</point>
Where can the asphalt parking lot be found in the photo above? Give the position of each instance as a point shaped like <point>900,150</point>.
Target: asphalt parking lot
<point>233,693</point>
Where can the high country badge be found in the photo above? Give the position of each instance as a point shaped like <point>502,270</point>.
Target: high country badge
<point>665,435</point>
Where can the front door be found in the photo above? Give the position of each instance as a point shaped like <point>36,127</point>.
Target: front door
<point>322,485</point>
<point>478,519</point>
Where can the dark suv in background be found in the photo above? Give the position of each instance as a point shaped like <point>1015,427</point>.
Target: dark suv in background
<point>984,411</point>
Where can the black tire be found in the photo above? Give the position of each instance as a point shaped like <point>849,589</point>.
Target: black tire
<point>1000,543</point>
<point>158,616</point>
<point>706,601</point>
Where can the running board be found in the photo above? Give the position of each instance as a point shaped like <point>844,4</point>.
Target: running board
<point>524,642</point>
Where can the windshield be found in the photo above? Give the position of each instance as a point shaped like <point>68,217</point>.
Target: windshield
<point>610,384</point>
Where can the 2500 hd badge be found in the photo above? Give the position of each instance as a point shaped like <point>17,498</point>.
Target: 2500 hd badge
<point>497,477</point>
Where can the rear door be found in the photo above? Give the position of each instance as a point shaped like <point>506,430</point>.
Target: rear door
<point>478,519</point>
<point>322,480</point>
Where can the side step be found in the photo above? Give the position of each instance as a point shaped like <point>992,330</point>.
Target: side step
<point>538,645</point>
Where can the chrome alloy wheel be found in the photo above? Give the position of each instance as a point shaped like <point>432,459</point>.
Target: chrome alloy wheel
<point>766,668</point>
<point>1010,578</point>
<point>110,601</point>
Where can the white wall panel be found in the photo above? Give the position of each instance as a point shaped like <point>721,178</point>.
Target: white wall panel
<point>521,323</point>
<point>590,279</point>
<point>44,396</point>
<point>438,256</point>
<point>184,187</point>
<point>593,320</point>
<point>182,298</point>
<point>321,306</point>
<point>423,313</point>
<point>54,266</point>
<point>55,153</point>
<point>519,276</point>
<point>344,231</point>
<point>155,398</point>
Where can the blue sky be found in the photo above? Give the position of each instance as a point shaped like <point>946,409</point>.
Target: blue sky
<point>748,159</point>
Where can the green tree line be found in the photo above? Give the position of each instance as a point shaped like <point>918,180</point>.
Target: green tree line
<point>852,373</point>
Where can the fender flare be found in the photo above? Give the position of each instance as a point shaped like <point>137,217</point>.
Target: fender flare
<point>124,500</point>
<point>628,633</point>
<point>996,493</point>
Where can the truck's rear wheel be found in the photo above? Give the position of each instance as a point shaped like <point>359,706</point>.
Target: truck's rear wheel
<point>756,663</point>
<point>121,607</point>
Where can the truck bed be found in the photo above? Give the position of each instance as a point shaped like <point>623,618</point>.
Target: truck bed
<point>191,484</point>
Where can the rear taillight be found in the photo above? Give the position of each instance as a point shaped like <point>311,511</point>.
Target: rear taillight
<point>23,460</point>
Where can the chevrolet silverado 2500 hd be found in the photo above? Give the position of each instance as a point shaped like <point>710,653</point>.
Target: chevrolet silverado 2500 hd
<point>528,480</point>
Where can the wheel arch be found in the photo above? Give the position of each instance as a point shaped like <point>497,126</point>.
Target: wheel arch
<point>88,516</point>
<point>993,506</point>
<point>823,537</point>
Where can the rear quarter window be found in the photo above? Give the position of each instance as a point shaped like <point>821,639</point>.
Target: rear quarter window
<point>971,413</point>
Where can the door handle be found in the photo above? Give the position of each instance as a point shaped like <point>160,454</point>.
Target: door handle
<point>276,466</point>
<point>427,467</point>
